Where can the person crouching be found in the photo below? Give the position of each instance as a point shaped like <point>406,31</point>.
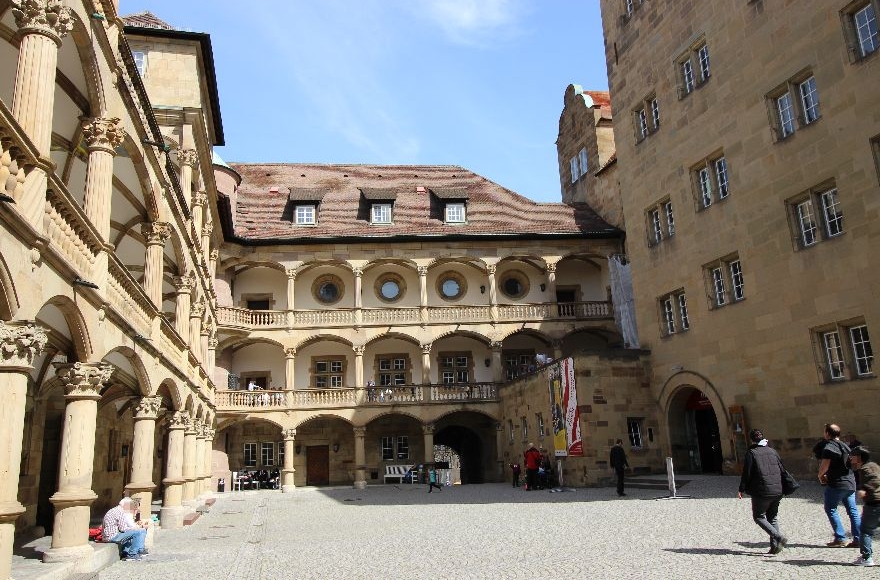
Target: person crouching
<point>120,528</point>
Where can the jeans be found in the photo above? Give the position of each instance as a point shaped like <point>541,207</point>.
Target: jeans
<point>131,542</point>
<point>870,520</point>
<point>619,472</point>
<point>834,497</point>
<point>764,512</point>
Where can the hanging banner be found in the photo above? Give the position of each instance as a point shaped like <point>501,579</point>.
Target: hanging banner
<point>564,410</point>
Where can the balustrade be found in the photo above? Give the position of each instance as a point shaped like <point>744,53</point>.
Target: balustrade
<point>251,399</point>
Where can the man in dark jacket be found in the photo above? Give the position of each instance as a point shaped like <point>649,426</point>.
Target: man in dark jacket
<point>762,479</point>
<point>617,461</point>
<point>869,492</point>
<point>840,488</point>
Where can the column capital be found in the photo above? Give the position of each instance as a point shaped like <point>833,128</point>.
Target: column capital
<point>156,233</point>
<point>496,345</point>
<point>359,350</point>
<point>207,229</point>
<point>556,343</point>
<point>206,327</point>
<point>289,434</point>
<point>551,268</point>
<point>422,270</point>
<point>178,420</point>
<point>148,408</point>
<point>197,310</point>
<point>428,428</point>
<point>210,433</point>
<point>291,273</point>
<point>215,253</point>
<point>290,352</point>
<point>184,284</point>
<point>188,157</point>
<point>358,272</point>
<point>491,269</point>
<point>360,431</point>
<point>20,342</point>
<point>213,343</point>
<point>199,198</point>
<point>191,427</point>
<point>201,430</point>
<point>426,348</point>
<point>83,380</point>
<point>102,134</point>
<point>47,17</point>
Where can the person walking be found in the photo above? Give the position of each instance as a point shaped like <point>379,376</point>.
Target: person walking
<point>762,480</point>
<point>840,487</point>
<point>617,461</point>
<point>515,469</point>
<point>869,492</point>
<point>533,461</point>
<point>432,480</point>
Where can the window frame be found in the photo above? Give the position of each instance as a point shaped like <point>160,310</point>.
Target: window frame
<point>725,282</point>
<point>853,29</point>
<point>575,169</point>
<point>249,459</point>
<point>673,314</point>
<point>267,454</point>
<point>844,351</point>
<point>634,427</point>
<point>305,214</point>
<point>455,212</point>
<point>139,57</point>
<point>584,161</point>
<point>393,372</point>
<point>693,67</point>
<point>381,213</point>
<point>331,374</point>
<point>660,222</point>
<point>791,107</point>
<point>456,368</point>
<point>711,180</point>
<point>823,203</point>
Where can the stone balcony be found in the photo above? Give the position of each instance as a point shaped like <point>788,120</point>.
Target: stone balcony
<point>256,401</point>
<point>242,318</point>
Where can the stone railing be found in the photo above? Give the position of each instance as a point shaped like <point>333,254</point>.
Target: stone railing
<point>464,392</point>
<point>244,318</point>
<point>128,298</point>
<point>14,164</point>
<point>250,399</point>
<point>324,398</point>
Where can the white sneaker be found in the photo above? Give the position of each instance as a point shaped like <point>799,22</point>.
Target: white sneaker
<point>860,561</point>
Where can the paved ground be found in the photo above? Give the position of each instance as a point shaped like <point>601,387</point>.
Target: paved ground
<point>494,531</point>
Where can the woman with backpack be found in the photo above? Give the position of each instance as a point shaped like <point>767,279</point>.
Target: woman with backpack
<point>837,476</point>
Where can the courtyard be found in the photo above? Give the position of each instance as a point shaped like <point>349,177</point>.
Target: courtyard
<point>493,531</point>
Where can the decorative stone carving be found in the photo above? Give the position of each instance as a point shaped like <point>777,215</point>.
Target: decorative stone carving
<point>210,433</point>
<point>102,134</point>
<point>358,272</point>
<point>20,342</point>
<point>187,157</point>
<point>491,269</point>
<point>496,345</point>
<point>178,420</point>
<point>289,434</point>
<point>359,350</point>
<point>148,407</point>
<point>551,268</point>
<point>426,348</point>
<point>206,327</point>
<point>291,273</point>
<point>47,17</point>
<point>197,310</point>
<point>428,428</point>
<point>201,429</point>
<point>360,431</point>
<point>199,198</point>
<point>191,426</point>
<point>84,380</point>
<point>290,352</point>
<point>212,343</point>
<point>156,233</point>
<point>206,230</point>
<point>423,270</point>
<point>216,254</point>
<point>184,284</point>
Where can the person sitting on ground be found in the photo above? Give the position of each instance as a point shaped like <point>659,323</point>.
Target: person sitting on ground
<point>120,528</point>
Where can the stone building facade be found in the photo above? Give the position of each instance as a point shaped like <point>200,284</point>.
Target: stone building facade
<point>746,136</point>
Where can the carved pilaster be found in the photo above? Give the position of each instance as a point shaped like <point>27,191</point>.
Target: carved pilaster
<point>187,157</point>
<point>148,408</point>
<point>47,17</point>
<point>83,380</point>
<point>102,134</point>
<point>20,342</point>
<point>156,233</point>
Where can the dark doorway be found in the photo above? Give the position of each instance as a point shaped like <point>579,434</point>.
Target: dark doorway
<point>708,440</point>
<point>694,433</point>
<point>49,464</point>
<point>318,465</point>
<point>469,448</point>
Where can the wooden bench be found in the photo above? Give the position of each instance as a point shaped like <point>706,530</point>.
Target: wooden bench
<point>396,472</point>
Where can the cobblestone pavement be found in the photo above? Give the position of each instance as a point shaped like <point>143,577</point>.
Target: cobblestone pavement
<point>495,531</point>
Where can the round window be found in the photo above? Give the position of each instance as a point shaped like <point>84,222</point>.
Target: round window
<point>390,290</point>
<point>512,287</point>
<point>328,289</point>
<point>451,286</point>
<point>514,284</point>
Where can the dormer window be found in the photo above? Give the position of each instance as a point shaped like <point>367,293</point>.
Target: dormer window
<point>455,213</point>
<point>381,213</point>
<point>305,215</point>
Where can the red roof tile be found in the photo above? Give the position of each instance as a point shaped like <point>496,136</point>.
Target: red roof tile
<point>492,210</point>
<point>601,99</point>
<point>146,19</point>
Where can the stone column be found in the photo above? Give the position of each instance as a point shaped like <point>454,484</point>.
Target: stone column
<point>291,287</point>
<point>428,432</point>
<point>287,482</point>
<point>209,468</point>
<point>196,312</point>
<point>20,343</point>
<point>42,24</point>
<point>189,461</point>
<point>199,462</point>
<point>423,293</point>
<point>101,136</point>
<point>551,290</point>
<point>557,349</point>
<point>183,286</point>
<point>212,356</point>
<point>212,263</point>
<point>199,202</point>
<point>70,530</point>
<point>359,382</point>
<point>186,160</point>
<point>289,369</point>
<point>203,342</point>
<point>493,291</point>
<point>206,240</point>
<point>360,458</point>
<point>142,451</point>
<point>173,512</point>
<point>426,372</point>
<point>497,362</point>
<point>155,234</point>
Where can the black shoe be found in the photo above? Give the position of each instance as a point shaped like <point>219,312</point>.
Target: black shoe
<point>777,549</point>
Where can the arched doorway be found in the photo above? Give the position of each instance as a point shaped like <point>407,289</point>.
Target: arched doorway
<point>694,433</point>
<point>472,437</point>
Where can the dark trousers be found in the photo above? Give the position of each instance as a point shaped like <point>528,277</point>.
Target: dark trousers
<point>432,485</point>
<point>531,478</point>
<point>515,479</point>
<point>764,512</point>
<point>619,472</point>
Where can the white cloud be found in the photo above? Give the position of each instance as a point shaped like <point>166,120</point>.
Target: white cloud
<point>473,22</point>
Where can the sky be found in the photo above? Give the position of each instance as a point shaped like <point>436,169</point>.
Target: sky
<point>475,83</point>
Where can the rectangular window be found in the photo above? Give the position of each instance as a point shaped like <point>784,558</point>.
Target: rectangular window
<point>705,187</point>
<point>381,213</point>
<point>387,448</point>
<point>394,370</point>
<point>684,321</point>
<point>655,113</point>
<point>140,61</point>
<point>670,219</point>
<point>815,215</point>
<point>643,123</point>
<point>402,447</point>
<point>786,115</point>
<point>661,222</point>
<point>809,100</point>
<point>687,72</point>
<point>806,223</point>
<point>455,368</point>
<point>250,454</point>
<point>674,314</point>
<point>712,180</point>
<point>575,169</point>
<point>582,159</point>
<point>328,373</point>
<point>524,427</point>
<point>267,454</point>
<point>703,58</point>
<point>736,279</point>
<point>455,213</point>
<point>634,428</point>
<point>721,176</point>
<point>725,281</point>
<point>865,21</point>
<point>656,225</point>
<point>832,213</point>
<point>851,360</point>
<point>693,67</point>
<point>305,215</point>
<point>669,315</point>
<point>718,286</point>
<point>539,424</point>
<point>647,117</point>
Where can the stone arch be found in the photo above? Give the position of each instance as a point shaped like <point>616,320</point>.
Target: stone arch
<point>137,366</point>
<point>532,332</point>
<point>169,390</point>
<point>83,44</point>
<point>243,341</point>
<point>321,415</point>
<point>443,413</point>
<point>403,262</point>
<point>397,334</point>
<point>683,379</point>
<point>8,295</point>
<point>479,337</point>
<point>76,323</point>
<point>322,336</point>
<point>697,423</point>
<point>389,412</point>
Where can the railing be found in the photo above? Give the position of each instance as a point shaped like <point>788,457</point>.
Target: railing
<point>395,394</point>
<point>251,399</point>
<point>128,298</point>
<point>324,398</point>
<point>14,164</point>
<point>244,318</point>
<point>464,392</point>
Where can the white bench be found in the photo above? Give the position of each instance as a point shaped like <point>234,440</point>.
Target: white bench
<point>396,472</point>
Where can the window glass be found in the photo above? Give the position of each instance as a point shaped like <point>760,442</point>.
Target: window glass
<point>786,115</point>
<point>864,356</point>
<point>865,21</point>
<point>328,292</point>
<point>575,170</point>
<point>703,56</point>
<point>687,73</point>
<point>381,213</point>
<point>450,288</point>
<point>390,289</point>
<point>305,214</point>
<point>810,100</point>
<point>455,213</point>
<point>582,157</point>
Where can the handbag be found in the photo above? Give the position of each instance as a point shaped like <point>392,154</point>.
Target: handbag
<point>789,483</point>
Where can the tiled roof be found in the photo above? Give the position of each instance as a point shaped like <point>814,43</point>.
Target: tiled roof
<point>492,210</point>
<point>601,99</point>
<point>146,19</point>
<point>611,160</point>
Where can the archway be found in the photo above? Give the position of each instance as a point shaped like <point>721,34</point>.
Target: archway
<point>694,434</point>
<point>472,437</point>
